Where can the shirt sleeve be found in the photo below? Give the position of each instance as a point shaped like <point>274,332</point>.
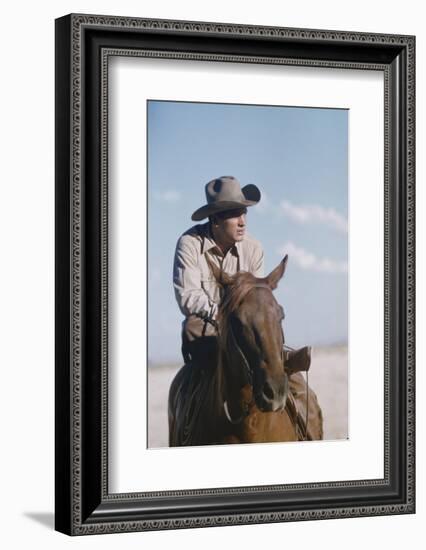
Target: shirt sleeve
<point>189,294</point>
<point>257,261</point>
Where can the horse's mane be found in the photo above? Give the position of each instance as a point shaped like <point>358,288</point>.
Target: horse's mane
<point>235,291</point>
<point>242,283</point>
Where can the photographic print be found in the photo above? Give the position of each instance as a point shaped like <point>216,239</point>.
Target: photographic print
<point>235,251</point>
<point>247,229</point>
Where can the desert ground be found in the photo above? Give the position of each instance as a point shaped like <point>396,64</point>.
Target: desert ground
<point>328,377</point>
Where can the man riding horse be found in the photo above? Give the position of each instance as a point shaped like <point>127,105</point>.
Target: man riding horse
<point>223,394</point>
<point>224,242</point>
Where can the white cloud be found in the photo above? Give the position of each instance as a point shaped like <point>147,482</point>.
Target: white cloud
<point>313,213</point>
<point>310,262</point>
<point>168,196</point>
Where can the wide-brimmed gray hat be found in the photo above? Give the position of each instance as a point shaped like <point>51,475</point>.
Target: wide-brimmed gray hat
<point>225,193</point>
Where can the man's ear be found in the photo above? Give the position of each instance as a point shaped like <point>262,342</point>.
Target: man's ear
<point>276,274</point>
<point>221,277</point>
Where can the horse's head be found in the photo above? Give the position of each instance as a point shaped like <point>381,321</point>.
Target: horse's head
<point>251,338</point>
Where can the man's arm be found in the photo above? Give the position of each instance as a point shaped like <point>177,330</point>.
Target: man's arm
<point>190,297</point>
<point>257,261</point>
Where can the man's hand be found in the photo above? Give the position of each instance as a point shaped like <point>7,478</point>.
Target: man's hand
<point>212,321</point>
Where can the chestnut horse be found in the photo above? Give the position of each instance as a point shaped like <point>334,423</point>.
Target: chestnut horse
<point>244,398</point>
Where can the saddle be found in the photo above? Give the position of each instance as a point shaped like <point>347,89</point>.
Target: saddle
<point>303,409</point>
<point>192,404</point>
<point>302,404</point>
<point>297,360</point>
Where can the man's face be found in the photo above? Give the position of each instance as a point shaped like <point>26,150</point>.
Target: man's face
<point>231,225</point>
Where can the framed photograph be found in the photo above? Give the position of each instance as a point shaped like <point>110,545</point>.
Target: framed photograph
<point>234,274</point>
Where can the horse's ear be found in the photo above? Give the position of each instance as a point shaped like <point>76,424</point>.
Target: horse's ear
<point>221,277</point>
<point>276,274</point>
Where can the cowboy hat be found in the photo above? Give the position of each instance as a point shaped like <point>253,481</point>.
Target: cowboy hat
<point>225,193</point>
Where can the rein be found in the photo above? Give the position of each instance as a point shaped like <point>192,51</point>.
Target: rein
<point>301,424</point>
<point>248,371</point>
<point>249,375</point>
<point>305,427</point>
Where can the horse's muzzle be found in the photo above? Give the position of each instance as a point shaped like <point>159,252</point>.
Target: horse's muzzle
<point>273,395</point>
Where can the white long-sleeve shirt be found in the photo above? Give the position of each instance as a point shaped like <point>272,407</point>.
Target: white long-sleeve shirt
<point>196,289</point>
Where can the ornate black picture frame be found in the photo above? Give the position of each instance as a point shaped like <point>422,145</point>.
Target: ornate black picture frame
<point>83,45</point>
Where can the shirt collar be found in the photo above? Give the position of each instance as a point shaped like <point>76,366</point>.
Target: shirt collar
<point>209,242</point>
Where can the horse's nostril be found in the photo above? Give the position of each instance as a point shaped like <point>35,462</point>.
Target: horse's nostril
<point>268,391</point>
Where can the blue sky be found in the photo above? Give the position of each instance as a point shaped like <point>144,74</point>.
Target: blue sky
<point>298,157</point>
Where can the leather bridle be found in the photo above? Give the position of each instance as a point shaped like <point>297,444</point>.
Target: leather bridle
<point>249,374</point>
<point>245,362</point>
